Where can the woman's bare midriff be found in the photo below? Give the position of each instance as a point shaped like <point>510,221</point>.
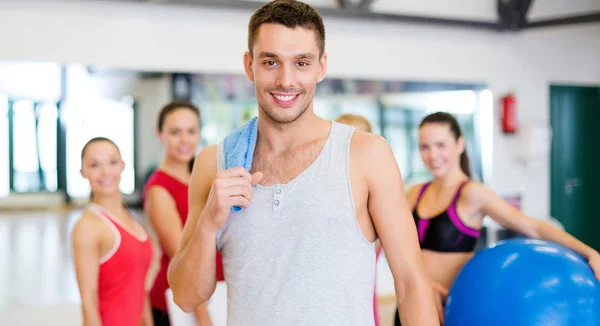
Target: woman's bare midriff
<point>443,267</point>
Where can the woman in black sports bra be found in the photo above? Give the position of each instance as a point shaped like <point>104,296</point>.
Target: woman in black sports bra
<point>449,210</point>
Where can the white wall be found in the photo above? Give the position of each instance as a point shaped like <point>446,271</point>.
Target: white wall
<point>36,80</point>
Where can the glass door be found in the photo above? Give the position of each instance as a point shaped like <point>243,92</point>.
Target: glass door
<point>4,148</point>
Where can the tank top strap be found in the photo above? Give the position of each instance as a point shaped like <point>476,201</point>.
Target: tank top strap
<point>458,191</point>
<point>177,189</point>
<point>104,214</point>
<point>334,155</point>
<point>168,181</point>
<point>338,146</point>
<point>221,156</point>
<point>122,228</point>
<point>95,209</point>
<point>99,211</point>
<point>421,192</point>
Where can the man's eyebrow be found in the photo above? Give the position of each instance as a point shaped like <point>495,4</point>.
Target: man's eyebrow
<point>265,54</point>
<point>305,55</point>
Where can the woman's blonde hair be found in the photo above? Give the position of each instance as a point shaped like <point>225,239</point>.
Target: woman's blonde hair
<point>355,120</point>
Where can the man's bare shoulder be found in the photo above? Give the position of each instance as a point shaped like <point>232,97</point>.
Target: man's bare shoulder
<point>370,147</point>
<point>373,157</point>
<point>205,164</point>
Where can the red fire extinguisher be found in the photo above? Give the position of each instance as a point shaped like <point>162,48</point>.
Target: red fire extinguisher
<point>508,114</point>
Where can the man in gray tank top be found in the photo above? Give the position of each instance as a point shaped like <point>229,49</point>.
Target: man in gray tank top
<point>318,195</point>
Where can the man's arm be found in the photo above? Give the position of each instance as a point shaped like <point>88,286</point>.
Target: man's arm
<point>192,271</point>
<point>391,216</point>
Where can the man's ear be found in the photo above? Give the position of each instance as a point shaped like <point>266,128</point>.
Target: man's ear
<point>322,67</point>
<point>248,66</point>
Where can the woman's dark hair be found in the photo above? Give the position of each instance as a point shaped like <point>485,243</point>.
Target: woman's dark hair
<point>172,107</point>
<point>87,145</point>
<point>448,119</point>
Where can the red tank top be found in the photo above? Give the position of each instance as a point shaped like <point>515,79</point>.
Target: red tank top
<point>179,191</point>
<point>122,274</point>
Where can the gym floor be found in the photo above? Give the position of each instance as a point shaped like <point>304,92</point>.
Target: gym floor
<point>37,279</point>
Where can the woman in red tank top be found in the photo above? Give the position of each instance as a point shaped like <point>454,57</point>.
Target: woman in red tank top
<point>165,197</point>
<point>111,250</point>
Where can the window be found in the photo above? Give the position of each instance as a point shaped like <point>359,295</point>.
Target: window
<point>99,118</point>
<point>4,153</point>
<point>46,138</point>
<point>34,146</point>
<point>24,151</point>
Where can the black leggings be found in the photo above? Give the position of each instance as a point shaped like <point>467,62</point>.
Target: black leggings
<point>161,318</point>
<point>397,320</point>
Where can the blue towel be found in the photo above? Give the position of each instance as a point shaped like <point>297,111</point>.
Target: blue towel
<point>238,148</point>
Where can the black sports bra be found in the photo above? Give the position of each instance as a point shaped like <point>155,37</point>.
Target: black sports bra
<point>445,232</point>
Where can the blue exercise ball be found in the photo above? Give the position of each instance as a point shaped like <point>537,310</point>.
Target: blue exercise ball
<point>524,282</point>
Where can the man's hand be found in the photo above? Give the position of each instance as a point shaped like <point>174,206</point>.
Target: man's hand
<point>231,187</point>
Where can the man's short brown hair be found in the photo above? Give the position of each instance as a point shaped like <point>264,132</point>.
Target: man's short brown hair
<point>289,13</point>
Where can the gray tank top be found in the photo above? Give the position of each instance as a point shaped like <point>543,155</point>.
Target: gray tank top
<point>296,255</point>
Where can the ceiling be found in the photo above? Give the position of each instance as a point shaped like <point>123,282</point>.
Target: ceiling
<point>512,15</point>
<point>485,10</point>
<point>495,15</point>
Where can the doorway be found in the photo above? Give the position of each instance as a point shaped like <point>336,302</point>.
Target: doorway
<point>575,160</point>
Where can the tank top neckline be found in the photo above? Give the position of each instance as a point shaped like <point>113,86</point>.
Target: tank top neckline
<point>168,175</point>
<point>105,213</point>
<point>452,205</point>
<point>309,168</point>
